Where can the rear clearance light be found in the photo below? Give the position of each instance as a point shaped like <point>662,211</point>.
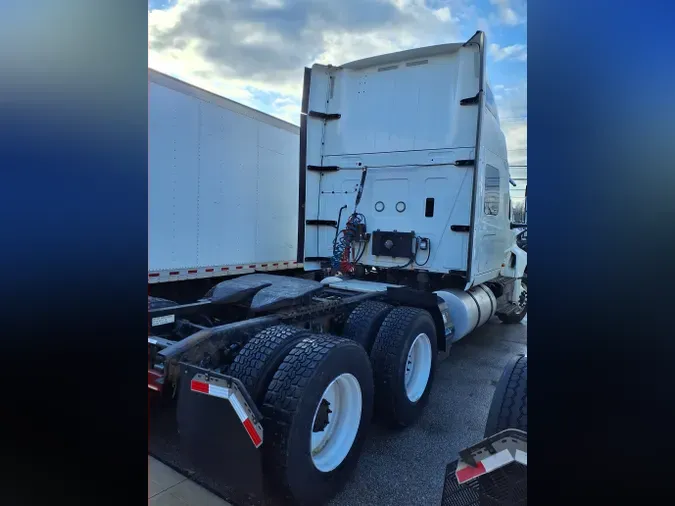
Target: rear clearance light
<point>253,429</point>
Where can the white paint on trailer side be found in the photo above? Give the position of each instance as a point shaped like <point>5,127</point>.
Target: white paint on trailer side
<point>223,182</point>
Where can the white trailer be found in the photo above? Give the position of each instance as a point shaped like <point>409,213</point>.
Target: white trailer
<point>405,220</point>
<point>222,185</point>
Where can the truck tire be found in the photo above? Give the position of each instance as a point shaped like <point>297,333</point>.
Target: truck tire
<point>509,402</point>
<point>316,412</point>
<point>518,315</point>
<point>258,360</point>
<point>364,322</point>
<point>404,362</point>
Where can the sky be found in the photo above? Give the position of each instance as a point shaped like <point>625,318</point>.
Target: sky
<point>254,51</point>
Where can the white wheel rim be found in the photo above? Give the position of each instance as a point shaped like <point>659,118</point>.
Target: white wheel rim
<point>418,367</point>
<point>330,446</point>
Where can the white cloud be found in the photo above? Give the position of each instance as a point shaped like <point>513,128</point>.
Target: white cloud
<point>444,14</point>
<point>512,104</point>
<point>506,15</point>
<point>514,52</point>
<point>254,51</point>
<point>240,48</point>
<point>516,141</point>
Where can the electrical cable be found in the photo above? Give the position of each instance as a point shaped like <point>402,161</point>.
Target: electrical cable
<point>418,239</point>
<point>342,244</point>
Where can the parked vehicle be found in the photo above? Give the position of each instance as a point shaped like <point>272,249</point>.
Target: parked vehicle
<point>406,238</point>
<point>222,188</point>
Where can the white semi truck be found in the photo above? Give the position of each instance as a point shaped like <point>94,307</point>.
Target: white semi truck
<point>223,188</point>
<point>269,382</point>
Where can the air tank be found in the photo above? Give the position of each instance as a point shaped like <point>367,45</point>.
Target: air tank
<point>469,310</point>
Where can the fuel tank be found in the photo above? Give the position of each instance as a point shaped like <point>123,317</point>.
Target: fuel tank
<point>469,310</point>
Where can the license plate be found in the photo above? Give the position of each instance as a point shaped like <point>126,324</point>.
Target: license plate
<point>163,320</point>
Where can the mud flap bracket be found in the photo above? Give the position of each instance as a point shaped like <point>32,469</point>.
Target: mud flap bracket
<point>220,433</point>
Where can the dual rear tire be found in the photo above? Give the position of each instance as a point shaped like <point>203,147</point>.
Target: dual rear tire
<point>316,394</point>
<point>402,345</point>
<point>404,358</point>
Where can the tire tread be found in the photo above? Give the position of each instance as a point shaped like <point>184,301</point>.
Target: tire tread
<point>513,407</point>
<point>284,396</point>
<point>365,321</point>
<point>252,364</point>
<point>385,359</point>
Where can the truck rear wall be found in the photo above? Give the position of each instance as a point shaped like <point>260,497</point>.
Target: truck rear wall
<point>418,129</point>
<point>222,185</point>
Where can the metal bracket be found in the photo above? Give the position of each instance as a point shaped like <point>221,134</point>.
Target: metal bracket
<point>321,168</point>
<point>510,439</point>
<point>317,259</point>
<point>465,163</point>
<point>470,100</point>
<point>324,116</point>
<point>328,223</point>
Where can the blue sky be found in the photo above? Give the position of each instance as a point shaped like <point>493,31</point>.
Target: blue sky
<point>254,51</point>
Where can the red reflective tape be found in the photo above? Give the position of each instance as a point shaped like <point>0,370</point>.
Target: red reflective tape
<point>251,266</point>
<point>153,380</point>
<point>275,265</point>
<point>174,273</point>
<point>153,275</point>
<point>199,386</point>
<point>295,262</point>
<point>263,265</point>
<point>285,263</point>
<point>224,268</point>
<point>469,472</point>
<point>240,267</point>
<point>209,270</point>
<point>252,433</point>
<point>192,271</point>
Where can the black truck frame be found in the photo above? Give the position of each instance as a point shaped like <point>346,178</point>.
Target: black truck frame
<point>203,420</point>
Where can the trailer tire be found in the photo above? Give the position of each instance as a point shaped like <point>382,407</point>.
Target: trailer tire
<point>291,413</point>
<point>365,321</point>
<point>400,396</point>
<point>258,360</point>
<point>508,409</point>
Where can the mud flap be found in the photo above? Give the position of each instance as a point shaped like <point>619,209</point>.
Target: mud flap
<point>220,434</point>
<point>490,473</point>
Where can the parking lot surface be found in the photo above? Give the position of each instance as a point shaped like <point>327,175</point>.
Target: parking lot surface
<point>403,467</point>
